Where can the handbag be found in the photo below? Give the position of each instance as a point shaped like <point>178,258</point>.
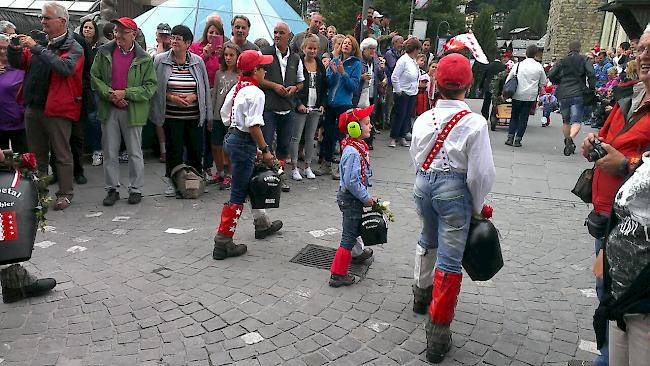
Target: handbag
<point>510,87</point>
<point>582,188</point>
<point>374,227</point>
<point>597,224</point>
<point>18,223</point>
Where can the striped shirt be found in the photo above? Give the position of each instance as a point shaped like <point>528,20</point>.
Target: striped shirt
<point>182,82</point>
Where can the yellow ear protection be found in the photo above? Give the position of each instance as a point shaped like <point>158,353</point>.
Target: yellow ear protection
<point>354,129</point>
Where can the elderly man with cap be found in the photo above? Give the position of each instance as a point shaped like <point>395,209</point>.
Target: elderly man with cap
<point>243,114</point>
<point>163,40</point>
<point>125,80</point>
<point>455,171</point>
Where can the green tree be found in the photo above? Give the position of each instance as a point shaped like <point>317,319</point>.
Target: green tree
<point>484,31</point>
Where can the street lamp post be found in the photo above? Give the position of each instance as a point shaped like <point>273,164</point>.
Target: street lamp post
<point>435,52</point>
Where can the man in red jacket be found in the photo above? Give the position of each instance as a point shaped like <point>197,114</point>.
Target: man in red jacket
<point>52,94</point>
<point>624,137</point>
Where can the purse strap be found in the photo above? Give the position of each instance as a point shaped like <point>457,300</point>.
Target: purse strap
<point>442,136</point>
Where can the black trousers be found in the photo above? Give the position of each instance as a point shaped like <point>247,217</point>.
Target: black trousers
<point>487,102</point>
<point>18,140</point>
<point>182,136</point>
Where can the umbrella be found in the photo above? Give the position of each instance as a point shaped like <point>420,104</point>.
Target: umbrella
<point>263,14</point>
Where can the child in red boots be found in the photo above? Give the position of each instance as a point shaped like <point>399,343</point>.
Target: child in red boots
<point>242,114</point>
<point>353,191</point>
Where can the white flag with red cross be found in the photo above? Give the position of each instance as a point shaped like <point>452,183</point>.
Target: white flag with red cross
<point>8,226</point>
<point>469,41</point>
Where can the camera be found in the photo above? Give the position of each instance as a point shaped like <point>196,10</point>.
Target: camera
<point>597,152</point>
<point>39,36</point>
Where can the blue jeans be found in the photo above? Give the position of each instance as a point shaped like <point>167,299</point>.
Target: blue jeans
<point>241,151</point>
<point>444,205</point>
<point>603,358</point>
<point>572,110</point>
<point>519,117</point>
<point>282,124</point>
<point>352,210</point>
<point>404,105</point>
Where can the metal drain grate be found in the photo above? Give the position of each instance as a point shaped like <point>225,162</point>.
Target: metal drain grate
<point>321,257</point>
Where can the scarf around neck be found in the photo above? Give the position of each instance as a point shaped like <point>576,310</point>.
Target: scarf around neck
<point>363,150</point>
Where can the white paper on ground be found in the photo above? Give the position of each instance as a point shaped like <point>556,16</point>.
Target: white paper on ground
<point>82,239</point>
<point>589,292</point>
<point>76,249</point>
<point>172,230</point>
<point>44,244</point>
<point>588,346</point>
<point>377,326</point>
<point>252,338</point>
<point>120,218</point>
<point>49,229</point>
<point>317,233</point>
<point>331,231</point>
<point>94,214</point>
<point>119,231</point>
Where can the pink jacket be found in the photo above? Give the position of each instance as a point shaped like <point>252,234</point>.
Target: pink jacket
<point>212,62</point>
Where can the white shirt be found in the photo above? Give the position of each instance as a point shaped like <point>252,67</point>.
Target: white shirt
<point>530,78</point>
<point>405,76</point>
<point>248,108</point>
<point>467,147</point>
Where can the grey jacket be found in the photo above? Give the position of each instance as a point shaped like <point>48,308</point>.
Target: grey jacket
<point>573,75</point>
<point>163,65</point>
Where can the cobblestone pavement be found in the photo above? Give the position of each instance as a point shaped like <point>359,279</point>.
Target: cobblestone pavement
<point>131,294</point>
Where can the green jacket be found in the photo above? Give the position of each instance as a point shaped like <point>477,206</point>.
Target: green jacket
<point>141,83</point>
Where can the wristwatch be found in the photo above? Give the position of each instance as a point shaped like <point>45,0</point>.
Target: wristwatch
<point>623,168</point>
<point>265,149</point>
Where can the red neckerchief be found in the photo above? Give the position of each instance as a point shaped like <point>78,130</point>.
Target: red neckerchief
<point>243,82</point>
<point>363,150</point>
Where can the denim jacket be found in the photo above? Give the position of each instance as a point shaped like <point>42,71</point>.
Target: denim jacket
<point>350,169</point>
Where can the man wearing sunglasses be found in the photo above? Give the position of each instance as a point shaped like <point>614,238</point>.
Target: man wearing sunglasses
<point>52,92</point>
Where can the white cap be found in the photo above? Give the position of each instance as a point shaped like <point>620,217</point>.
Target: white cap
<point>377,15</point>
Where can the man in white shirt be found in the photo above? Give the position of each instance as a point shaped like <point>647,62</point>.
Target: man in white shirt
<point>405,78</point>
<point>530,79</point>
<point>284,77</point>
<point>450,149</point>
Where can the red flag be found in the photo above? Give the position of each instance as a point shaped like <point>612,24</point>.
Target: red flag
<point>8,226</point>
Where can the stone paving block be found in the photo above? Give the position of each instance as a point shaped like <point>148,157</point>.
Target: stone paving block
<point>269,359</point>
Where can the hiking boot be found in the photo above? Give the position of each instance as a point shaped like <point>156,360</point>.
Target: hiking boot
<point>509,140</point>
<point>438,341</point>
<point>18,284</point>
<point>224,247</point>
<point>364,256</point>
<point>421,299</point>
<point>569,146</point>
<point>517,142</point>
<point>134,198</point>
<point>341,280</point>
<point>264,227</point>
<point>111,197</point>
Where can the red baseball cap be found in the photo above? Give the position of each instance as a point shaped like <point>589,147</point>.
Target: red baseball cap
<point>454,72</point>
<point>251,58</point>
<point>354,114</point>
<point>549,89</point>
<point>126,23</point>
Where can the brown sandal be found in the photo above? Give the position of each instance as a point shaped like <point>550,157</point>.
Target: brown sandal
<point>62,203</point>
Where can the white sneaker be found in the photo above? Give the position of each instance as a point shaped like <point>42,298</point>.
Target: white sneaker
<point>170,191</point>
<point>295,174</point>
<point>309,174</point>
<point>98,158</point>
<point>408,136</point>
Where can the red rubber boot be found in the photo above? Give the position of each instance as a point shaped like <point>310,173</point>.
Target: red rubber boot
<point>446,287</point>
<point>340,266</point>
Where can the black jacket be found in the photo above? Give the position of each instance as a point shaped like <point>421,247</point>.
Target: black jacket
<point>321,85</point>
<point>493,69</point>
<point>635,300</point>
<point>574,75</point>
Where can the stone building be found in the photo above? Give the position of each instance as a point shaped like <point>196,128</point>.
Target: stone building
<point>570,20</point>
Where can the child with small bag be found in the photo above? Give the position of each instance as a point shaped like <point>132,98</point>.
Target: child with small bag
<point>353,191</point>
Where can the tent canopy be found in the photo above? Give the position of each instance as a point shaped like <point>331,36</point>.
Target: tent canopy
<point>263,14</point>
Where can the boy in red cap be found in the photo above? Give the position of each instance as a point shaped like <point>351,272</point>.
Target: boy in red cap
<point>450,149</point>
<point>242,114</point>
<point>353,191</point>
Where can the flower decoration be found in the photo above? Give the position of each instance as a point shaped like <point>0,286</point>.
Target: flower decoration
<point>384,208</point>
<point>487,211</point>
<point>26,165</point>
